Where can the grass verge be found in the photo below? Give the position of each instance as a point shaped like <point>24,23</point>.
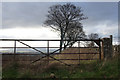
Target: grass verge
<point>99,69</point>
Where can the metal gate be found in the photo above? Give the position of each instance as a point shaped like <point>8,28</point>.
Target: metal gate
<point>62,57</point>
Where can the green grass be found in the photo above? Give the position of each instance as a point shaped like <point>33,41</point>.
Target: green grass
<point>99,69</point>
<point>11,71</point>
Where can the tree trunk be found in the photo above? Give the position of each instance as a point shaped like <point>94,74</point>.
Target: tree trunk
<point>61,42</point>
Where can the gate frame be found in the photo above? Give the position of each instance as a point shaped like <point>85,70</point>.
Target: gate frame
<point>97,41</point>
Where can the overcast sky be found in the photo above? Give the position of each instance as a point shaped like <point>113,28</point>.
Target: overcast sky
<point>25,19</point>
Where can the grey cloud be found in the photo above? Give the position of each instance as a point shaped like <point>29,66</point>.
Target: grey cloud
<point>34,13</point>
<point>100,12</point>
<point>24,13</point>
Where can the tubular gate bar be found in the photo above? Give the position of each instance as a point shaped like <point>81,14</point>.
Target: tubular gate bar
<point>97,41</point>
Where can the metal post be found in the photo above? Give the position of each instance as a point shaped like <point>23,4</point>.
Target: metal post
<point>79,51</point>
<point>100,50</point>
<point>14,49</point>
<point>48,51</point>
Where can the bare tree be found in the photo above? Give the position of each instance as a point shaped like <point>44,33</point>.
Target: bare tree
<point>66,19</point>
<point>92,36</point>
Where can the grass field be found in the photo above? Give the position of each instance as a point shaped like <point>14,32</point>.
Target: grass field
<point>92,69</point>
